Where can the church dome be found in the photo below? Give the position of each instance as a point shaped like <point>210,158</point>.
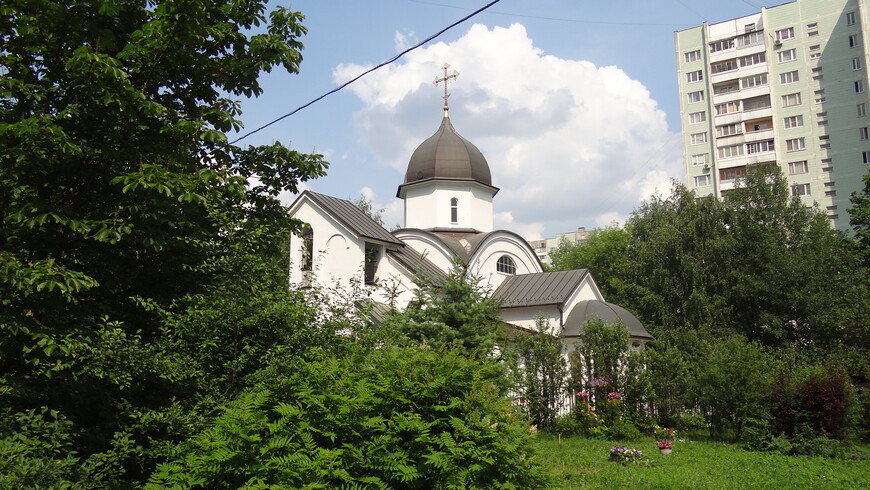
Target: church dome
<point>446,155</point>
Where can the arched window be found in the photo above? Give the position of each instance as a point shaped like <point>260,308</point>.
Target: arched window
<point>454,210</point>
<point>506,264</point>
<point>307,261</point>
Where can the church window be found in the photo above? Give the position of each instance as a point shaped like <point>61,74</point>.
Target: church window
<point>371,265</point>
<point>307,248</point>
<point>506,264</point>
<point>454,210</point>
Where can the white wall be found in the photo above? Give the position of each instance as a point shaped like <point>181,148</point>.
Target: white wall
<point>427,205</point>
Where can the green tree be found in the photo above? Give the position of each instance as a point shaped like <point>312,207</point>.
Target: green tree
<point>455,311</point>
<point>605,254</point>
<point>122,204</point>
<point>381,418</point>
<point>541,372</point>
<point>733,383</point>
<point>604,349</point>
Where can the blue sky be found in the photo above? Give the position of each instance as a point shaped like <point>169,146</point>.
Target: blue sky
<point>574,103</point>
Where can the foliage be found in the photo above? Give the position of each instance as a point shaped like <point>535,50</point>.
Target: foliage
<point>603,350</point>
<point>132,234</point>
<point>390,417</point>
<point>860,218</point>
<point>454,311</point>
<point>733,384</point>
<point>366,206</point>
<point>604,253</point>
<point>541,373</point>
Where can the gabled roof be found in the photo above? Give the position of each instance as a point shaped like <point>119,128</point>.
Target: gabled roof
<point>417,264</point>
<point>538,289</point>
<point>353,218</point>
<point>608,313</point>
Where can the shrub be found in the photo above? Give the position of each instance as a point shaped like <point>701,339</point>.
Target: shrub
<point>623,430</point>
<point>825,397</point>
<point>409,418</point>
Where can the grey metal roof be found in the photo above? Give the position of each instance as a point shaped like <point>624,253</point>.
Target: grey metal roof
<point>607,312</point>
<point>415,262</point>
<point>447,155</point>
<point>538,289</point>
<point>353,218</point>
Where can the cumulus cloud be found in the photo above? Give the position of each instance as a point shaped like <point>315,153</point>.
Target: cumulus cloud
<point>568,142</point>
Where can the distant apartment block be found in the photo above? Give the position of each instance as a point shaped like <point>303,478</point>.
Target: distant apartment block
<point>543,247</point>
<point>787,86</point>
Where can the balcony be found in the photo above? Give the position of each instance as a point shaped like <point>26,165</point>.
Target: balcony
<point>753,159</point>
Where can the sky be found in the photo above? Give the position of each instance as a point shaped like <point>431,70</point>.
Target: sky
<point>574,104</point>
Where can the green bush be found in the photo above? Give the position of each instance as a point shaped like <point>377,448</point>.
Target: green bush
<point>623,430</point>
<point>409,418</point>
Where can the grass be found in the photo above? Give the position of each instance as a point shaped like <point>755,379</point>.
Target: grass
<point>577,462</point>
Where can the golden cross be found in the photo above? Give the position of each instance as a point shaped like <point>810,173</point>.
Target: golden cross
<point>444,79</point>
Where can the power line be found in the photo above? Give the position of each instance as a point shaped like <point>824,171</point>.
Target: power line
<point>391,60</point>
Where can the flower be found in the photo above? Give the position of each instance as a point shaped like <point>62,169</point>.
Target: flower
<point>583,394</point>
<point>665,444</point>
<point>613,396</point>
<point>598,381</point>
<point>625,456</point>
<point>666,433</point>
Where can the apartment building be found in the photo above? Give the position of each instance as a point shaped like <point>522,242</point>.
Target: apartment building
<point>786,86</point>
<point>543,247</point>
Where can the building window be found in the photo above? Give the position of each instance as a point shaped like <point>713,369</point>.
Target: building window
<point>726,88</point>
<point>702,181</point>
<point>789,77</point>
<point>696,96</point>
<point>454,210</point>
<point>698,138</point>
<point>694,76</point>
<point>791,99</point>
<point>859,86</point>
<point>697,117</point>
<point>853,40</point>
<point>787,55</point>
<point>727,108</point>
<point>815,52</point>
<point>759,147</point>
<point>372,256</point>
<point>793,121</point>
<point>783,34</point>
<point>812,25</point>
<point>754,81</point>
<point>723,66</point>
<point>862,109</point>
<point>698,160</point>
<point>721,45</point>
<point>693,56</point>
<point>795,144</point>
<point>750,39</point>
<point>729,130</point>
<point>730,151</point>
<point>506,265</point>
<point>850,18</point>
<point>797,168</point>
<point>866,156</point>
<point>856,63</point>
<point>800,190</point>
<point>863,134</point>
<point>307,262</point>
<point>753,59</point>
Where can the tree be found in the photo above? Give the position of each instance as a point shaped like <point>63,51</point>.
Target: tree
<point>121,200</point>
<point>541,372</point>
<point>605,254</point>
<point>733,383</point>
<point>860,218</point>
<point>455,311</point>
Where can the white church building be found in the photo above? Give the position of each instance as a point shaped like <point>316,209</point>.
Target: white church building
<point>448,195</point>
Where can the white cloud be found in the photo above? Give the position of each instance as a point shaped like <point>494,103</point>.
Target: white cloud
<point>403,41</point>
<point>569,143</point>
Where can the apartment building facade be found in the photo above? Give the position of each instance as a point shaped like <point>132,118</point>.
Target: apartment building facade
<point>786,86</point>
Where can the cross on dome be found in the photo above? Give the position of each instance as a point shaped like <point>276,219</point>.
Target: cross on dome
<point>444,79</point>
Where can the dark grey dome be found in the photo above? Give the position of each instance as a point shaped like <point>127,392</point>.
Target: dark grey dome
<point>446,155</point>
<point>607,312</point>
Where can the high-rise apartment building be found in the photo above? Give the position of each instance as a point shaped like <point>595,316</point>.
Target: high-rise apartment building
<point>787,86</point>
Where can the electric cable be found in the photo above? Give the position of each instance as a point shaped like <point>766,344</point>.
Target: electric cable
<point>345,84</point>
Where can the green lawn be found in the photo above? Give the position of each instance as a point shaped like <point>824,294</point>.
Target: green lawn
<point>583,463</point>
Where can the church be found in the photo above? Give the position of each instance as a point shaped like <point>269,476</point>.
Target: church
<point>448,194</point>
